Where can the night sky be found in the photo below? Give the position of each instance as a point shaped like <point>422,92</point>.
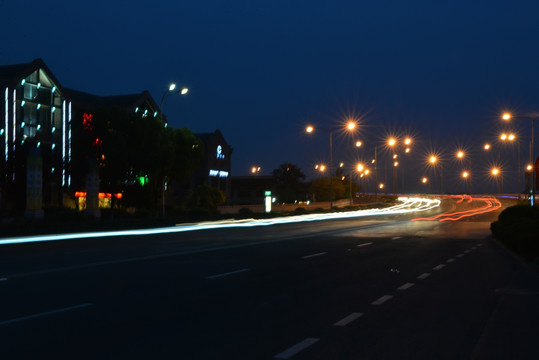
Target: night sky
<point>261,71</point>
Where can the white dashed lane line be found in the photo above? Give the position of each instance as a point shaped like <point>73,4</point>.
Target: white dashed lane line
<point>226,274</point>
<point>450,260</point>
<point>313,255</point>
<point>423,276</point>
<point>381,300</point>
<point>288,353</point>
<point>405,286</point>
<point>43,314</point>
<point>347,320</point>
<point>364,244</point>
<point>438,267</point>
<point>460,255</point>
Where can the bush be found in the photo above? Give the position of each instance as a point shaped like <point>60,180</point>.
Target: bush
<point>300,211</point>
<point>518,229</point>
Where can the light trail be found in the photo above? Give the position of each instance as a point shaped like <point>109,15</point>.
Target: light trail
<point>407,205</point>
<point>491,204</point>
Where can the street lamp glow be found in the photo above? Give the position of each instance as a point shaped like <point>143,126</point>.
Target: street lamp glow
<point>322,168</point>
<point>358,143</point>
<point>424,180</point>
<point>407,141</point>
<point>351,125</point>
<point>407,150</point>
<point>309,129</point>
<point>511,137</point>
<point>465,174</point>
<point>396,163</point>
<point>394,156</point>
<point>392,142</point>
<point>184,91</point>
<point>360,167</point>
<point>460,154</point>
<point>529,167</point>
<point>503,137</point>
<point>506,116</point>
<point>366,172</point>
<point>172,87</point>
<point>495,171</point>
<point>381,185</point>
<point>341,164</point>
<point>433,159</point>
<point>486,147</point>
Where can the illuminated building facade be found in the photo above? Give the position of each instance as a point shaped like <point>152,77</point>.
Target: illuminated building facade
<point>36,117</point>
<point>216,168</point>
<point>39,116</point>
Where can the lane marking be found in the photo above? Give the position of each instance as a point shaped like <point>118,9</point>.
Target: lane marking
<point>347,320</point>
<point>460,255</point>
<point>441,266</point>
<point>450,260</point>
<point>474,247</point>
<point>381,300</point>
<point>365,244</point>
<point>288,353</point>
<point>43,314</point>
<point>479,244</point>
<point>313,255</point>
<point>467,251</point>
<point>226,274</point>
<point>423,276</point>
<point>406,286</point>
<point>396,238</point>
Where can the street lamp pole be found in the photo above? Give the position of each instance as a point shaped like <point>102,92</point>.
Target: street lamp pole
<point>532,117</point>
<point>331,169</point>
<point>170,90</point>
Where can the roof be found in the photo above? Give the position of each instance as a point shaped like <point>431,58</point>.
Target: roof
<point>10,75</point>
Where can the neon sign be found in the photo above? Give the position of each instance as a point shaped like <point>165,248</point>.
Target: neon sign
<point>220,154</point>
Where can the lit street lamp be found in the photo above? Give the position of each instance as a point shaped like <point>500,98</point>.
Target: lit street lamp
<point>310,129</point>
<point>433,160</point>
<point>496,173</point>
<point>507,116</point>
<point>167,93</point>
<point>510,138</point>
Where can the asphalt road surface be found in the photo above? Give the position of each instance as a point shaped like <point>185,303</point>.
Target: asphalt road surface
<point>381,287</point>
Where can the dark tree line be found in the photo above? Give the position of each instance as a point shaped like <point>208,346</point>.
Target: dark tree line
<point>134,154</point>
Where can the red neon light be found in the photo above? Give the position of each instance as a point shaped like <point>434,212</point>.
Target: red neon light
<point>87,122</point>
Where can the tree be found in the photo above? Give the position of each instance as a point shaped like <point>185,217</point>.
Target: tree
<point>204,199</point>
<point>128,147</point>
<point>289,186</point>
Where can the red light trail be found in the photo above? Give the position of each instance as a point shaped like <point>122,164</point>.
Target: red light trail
<point>490,204</point>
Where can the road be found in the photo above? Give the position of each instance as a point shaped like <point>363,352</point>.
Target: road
<point>358,288</point>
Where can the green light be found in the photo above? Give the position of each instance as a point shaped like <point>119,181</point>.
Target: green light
<point>23,81</point>
<point>143,180</point>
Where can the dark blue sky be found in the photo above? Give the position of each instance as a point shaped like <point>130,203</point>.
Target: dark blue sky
<point>260,71</point>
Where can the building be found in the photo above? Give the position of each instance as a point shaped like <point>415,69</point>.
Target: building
<point>36,118</point>
<point>216,168</point>
<point>40,120</point>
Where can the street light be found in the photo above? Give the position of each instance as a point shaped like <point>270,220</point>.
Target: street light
<point>433,160</point>
<point>496,172</point>
<point>461,155</point>
<point>507,116</point>
<point>510,138</point>
<point>351,125</point>
<point>167,93</point>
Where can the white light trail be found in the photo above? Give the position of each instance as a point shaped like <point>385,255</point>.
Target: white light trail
<point>407,205</point>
